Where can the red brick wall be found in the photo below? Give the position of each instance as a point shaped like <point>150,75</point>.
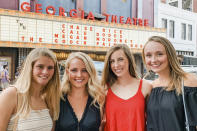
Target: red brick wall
<point>163,1</point>
<point>195,6</point>
<point>134,8</point>
<point>103,6</point>
<point>79,4</point>
<point>9,4</point>
<point>148,11</point>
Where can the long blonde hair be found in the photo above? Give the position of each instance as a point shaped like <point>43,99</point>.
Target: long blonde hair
<point>108,77</point>
<point>93,87</point>
<point>51,92</point>
<point>176,72</point>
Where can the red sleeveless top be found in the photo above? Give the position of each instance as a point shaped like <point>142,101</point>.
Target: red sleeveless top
<point>125,115</point>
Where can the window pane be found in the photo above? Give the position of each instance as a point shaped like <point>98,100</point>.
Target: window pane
<point>173,3</point>
<point>183,31</point>
<point>190,32</point>
<point>164,23</point>
<point>171,29</point>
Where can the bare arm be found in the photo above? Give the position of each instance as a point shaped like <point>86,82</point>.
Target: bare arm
<point>103,121</point>
<point>53,129</point>
<point>8,100</point>
<point>190,80</point>
<point>146,88</point>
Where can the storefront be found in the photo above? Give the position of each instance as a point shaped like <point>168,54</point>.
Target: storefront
<point>22,31</point>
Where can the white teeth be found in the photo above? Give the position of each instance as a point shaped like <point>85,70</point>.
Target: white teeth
<point>117,71</point>
<point>79,80</point>
<point>43,77</point>
<point>155,65</point>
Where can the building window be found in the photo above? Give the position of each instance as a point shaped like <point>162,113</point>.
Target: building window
<point>171,29</point>
<point>190,32</point>
<point>173,3</point>
<point>183,31</point>
<point>187,5</point>
<point>164,23</point>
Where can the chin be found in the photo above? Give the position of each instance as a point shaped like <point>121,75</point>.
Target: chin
<point>79,85</point>
<point>119,75</point>
<point>157,71</point>
<point>43,83</point>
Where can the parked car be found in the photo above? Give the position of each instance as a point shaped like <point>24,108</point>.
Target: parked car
<point>99,65</point>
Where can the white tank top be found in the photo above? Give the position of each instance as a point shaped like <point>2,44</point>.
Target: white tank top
<point>37,120</point>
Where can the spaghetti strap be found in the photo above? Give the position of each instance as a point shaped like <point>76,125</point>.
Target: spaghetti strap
<point>132,109</point>
<point>140,86</point>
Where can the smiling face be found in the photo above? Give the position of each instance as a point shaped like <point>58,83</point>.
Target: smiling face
<point>43,70</point>
<point>155,57</point>
<point>78,75</point>
<point>119,63</point>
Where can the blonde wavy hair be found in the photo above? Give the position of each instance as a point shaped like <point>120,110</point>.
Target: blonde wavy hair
<point>94,88</point>
<point>108,77</point>
<point>50,93</point>
<point>176,72</point>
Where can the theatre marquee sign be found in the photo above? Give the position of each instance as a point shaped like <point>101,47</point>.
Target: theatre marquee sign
<point>33,28</point>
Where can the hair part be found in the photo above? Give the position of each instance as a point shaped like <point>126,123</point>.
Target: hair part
<point>176,72</point>
<point>51,92</point>
<point>108,77</point>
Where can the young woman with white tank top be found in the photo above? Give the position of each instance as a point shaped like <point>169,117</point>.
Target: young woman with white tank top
<point>32,103</point>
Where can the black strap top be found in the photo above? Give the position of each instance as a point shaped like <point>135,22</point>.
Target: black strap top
<point>165,111</point>
<point>68,121</point>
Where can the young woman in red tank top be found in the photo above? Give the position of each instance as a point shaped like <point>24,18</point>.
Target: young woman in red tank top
<point>125,101</point>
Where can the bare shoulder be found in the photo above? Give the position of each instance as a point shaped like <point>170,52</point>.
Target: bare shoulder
<point>8,100</point>
<point>146,87</point>
<point>191,80</point>
<point>9,91</point>
<point>146,84</point>
<point>9,95</point>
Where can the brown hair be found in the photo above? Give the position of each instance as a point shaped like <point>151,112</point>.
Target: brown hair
<point>176,72</point>
<point>108,76</point>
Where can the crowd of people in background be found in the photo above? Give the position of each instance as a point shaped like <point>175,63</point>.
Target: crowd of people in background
<point>121,101</point>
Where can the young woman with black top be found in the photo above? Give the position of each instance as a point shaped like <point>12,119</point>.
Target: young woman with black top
<point>81,107</point>
<point>165,110</point>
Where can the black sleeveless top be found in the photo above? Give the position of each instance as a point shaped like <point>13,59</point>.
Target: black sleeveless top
<point>68,121</point>
<point>165,111</point>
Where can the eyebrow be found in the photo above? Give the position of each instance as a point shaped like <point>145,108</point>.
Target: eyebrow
<point>159,51</point>
<point>154,52</point>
